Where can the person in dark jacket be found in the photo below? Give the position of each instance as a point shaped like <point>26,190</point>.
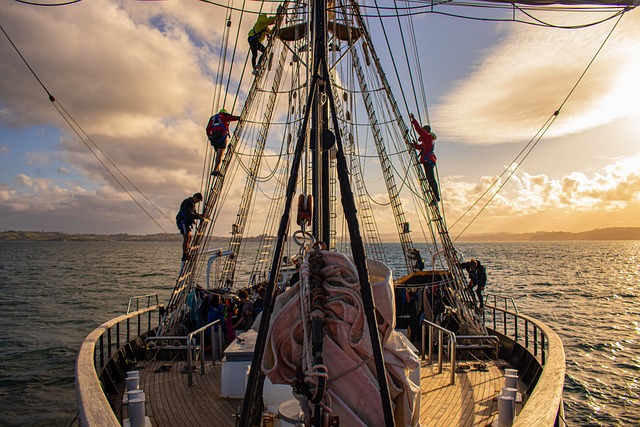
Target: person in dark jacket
<point>217,132</point>
<point>477,277</point>
<point>185,219</point>
<point>427,155</point>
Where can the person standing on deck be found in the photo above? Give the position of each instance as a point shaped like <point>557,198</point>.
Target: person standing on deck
<point>185,219</point>
<point>217,132</point>
<point>257,35</point>
<point>477,277</point>
<point>427,155</point>
<point>246,312</point>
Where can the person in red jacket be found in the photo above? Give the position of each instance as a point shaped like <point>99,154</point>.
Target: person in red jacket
<point>218,131</point>
<point>427,155</point>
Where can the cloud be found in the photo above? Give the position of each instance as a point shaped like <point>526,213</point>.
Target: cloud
<point>518,84</point>
<point>534,202</point>
<point>139,78</point>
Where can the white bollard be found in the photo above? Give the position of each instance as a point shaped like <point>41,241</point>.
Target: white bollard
<point>133,380</point>
<point>511,381</point>
<point>505,411</point>
<point>511,372</point>
<point>513,393</point>
<point>136,408</point>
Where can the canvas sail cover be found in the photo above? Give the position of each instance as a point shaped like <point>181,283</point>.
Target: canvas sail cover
<point>347,352</point>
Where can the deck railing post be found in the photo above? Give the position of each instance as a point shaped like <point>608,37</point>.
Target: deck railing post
<point>220,342</point>
<point>101,351</point>
<point>494,317</point>
<point>109,343</point>
<point>526,334</point>
<point>202,351</point>
<point>424,339</point>
<point>535,340</point>
<point>542,350</point>
<point>213,335</point>
<point>439,351</point>
<point>504,322</point>
<point>118,335</point>
<point>430,344</point>
<point>515,328</point>
<point>189,379</point>
<point>452,356</point>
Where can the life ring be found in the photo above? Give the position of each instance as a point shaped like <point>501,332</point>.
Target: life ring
<point>305,209</point>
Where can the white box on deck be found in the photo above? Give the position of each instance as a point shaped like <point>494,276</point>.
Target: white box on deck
<point>234,364</point>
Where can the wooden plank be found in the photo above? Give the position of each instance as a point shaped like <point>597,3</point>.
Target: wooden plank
<point>171,402</point>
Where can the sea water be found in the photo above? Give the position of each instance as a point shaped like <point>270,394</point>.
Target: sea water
<point>53,294</point>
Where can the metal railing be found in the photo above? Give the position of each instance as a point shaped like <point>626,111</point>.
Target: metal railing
<point>93,407</point>
<point>545,402</point>
<point>453,345</point>
<point>191,348</point>
<point>522,329</point>
<point>428,338</point>
<point>488,298</point>
<point>200,332</point>
<point>137,299</point>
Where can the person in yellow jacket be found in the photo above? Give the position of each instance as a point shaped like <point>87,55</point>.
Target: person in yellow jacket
<point>257,35</point>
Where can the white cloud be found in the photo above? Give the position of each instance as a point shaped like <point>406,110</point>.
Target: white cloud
<point>535,202</point>
<point>138,78</point>
<point>519,83</point>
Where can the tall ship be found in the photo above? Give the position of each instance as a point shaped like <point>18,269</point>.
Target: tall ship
<point>315,321</point>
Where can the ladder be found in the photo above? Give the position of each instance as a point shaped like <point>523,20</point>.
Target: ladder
<point>387,168</point>
<point>228,272</point>
<point>459,294</point>
<point>373,243</point>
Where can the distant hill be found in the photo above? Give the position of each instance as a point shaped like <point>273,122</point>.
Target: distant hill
<point>56,236</point>
<point>613,233</point>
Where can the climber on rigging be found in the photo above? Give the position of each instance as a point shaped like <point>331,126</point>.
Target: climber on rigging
<point>257,35</point>
<point>477,277</point>
<point>185,219</point>
<point>217,131</point>
<point>427,155</point>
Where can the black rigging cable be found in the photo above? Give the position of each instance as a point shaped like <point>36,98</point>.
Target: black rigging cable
<point>33,3</point>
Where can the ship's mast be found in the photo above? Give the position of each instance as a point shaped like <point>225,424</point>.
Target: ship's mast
<point>321,137</point>
<point>317,108</point>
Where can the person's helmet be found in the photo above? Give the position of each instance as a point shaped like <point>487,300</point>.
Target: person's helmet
<point>223,111</point>
<point>427,128</point>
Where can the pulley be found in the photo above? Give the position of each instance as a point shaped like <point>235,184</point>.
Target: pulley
<point>305,209</point>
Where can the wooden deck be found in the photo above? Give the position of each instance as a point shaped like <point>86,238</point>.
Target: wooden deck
<point>471,401</point>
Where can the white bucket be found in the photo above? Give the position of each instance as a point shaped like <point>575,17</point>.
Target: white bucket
<point>290,413</point>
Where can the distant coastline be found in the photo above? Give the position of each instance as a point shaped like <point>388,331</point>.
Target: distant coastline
<point>612,233</point>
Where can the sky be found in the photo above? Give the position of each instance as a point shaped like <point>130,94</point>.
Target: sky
<point>138,77</point>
